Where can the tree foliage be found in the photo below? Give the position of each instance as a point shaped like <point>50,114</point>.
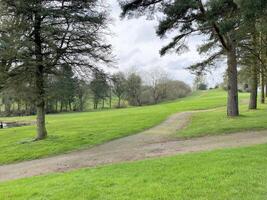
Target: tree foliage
<point>39,37</point>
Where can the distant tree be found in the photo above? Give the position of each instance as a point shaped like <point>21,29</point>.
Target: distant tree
<point>200,82</point>
<point>171,90</point>
<point>119,86</point>
<point>38,37</point>
<point>81,92</point>
<point>216,19</point>
<point>202,86</point>
<point>157,79</point>
<point>146,96</point>
<point>65,87</point>
<point>134,89</point>
<point>17,99</point>
<point>99,87</point>
<point>176,89</point>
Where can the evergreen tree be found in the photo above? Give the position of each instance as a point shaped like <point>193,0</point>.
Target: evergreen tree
<point>134,89</point>
<point>218,20</point>
<point>40,36</point>
<point>65,85</point>
<point>99,87</point>
<point>253,48</point>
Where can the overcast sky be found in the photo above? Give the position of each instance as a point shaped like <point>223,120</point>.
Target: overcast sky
<point>137,46</point>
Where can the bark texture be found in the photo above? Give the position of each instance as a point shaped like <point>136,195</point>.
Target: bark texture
<point>253,88</point>
<point>262,86</point>
<point>232,103</point>
<point>39,80</point>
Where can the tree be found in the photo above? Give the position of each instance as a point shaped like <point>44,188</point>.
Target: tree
<point>251,48</point>
<point>217,19</point>
<point>157,79</point>
<point>65,87</point>
<point>176,89</point>
<point>200,82</point>
<point>134,89</point>
<point>39,36</point>
<point>81,91</point>
<point>99,87</point>
<point>119,86</point>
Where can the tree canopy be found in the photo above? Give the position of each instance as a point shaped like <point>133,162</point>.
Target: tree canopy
<point>39,37</point>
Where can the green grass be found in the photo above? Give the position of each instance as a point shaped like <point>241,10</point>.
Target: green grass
<point>216,122</point>
<point>81,130</point>
<point>232,174</point>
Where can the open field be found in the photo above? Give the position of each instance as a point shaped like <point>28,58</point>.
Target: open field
<point>133,100</point>
<point>225,174</point>
<point>238,174</point>
<point>82,130</point>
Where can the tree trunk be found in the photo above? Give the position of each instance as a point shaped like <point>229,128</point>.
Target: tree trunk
<point>56,106</point>
<point>262,86</point>
<point>262,70</point>
<point>19,105</point>
<point>110,101</point>
<point>253,88</point>
<point>232,103</point>
<point>119,103</point>
<point>40,104</point>
<point>61,106</point>
<point>81,103</point>
<point>70,105</point>
<point>39,80</point>
<point>26,108</point>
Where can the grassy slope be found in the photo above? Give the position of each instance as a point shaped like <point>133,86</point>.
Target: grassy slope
<point>249,120</point>
<point>233,174</point>
<point>79,130</point>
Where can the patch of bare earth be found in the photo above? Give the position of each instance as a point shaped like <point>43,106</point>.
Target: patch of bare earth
<point>155,142</point>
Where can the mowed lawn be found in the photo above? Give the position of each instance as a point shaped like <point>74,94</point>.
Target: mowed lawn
<point>232,174</point>
<point>81,130</point>
<point>216,122</point>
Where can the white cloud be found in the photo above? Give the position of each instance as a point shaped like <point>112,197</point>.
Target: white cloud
<point>136,45</point>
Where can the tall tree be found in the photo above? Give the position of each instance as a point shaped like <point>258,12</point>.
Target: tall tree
<point>134,89</point>
<point>217,19</point>
<point>46,34</point>
<point>253,14</point>
<point>65,85</point>
<point>100,87</point>
<point>81,91</point>
<point>119,86</point>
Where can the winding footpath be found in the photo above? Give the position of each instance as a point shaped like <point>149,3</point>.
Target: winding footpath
<point>158,141</point>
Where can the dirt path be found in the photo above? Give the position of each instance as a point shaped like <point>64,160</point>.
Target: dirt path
<point>155,142</point>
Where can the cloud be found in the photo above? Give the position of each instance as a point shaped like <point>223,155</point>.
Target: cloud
<point>136,45</point>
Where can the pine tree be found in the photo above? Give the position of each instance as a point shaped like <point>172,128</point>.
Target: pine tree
<point>99,87</point>
<point>218,20</point>
<point>40,36</point>
<point>253,14</point>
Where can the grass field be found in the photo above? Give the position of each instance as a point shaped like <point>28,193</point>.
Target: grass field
<point>216,122</point>
<point>80,130</point>
<point>232,174</point>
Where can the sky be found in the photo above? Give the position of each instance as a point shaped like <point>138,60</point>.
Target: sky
<point>136,47</point>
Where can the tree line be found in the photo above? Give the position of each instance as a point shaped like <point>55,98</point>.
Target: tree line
<point>41,39</point>
<point>66,92</point>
